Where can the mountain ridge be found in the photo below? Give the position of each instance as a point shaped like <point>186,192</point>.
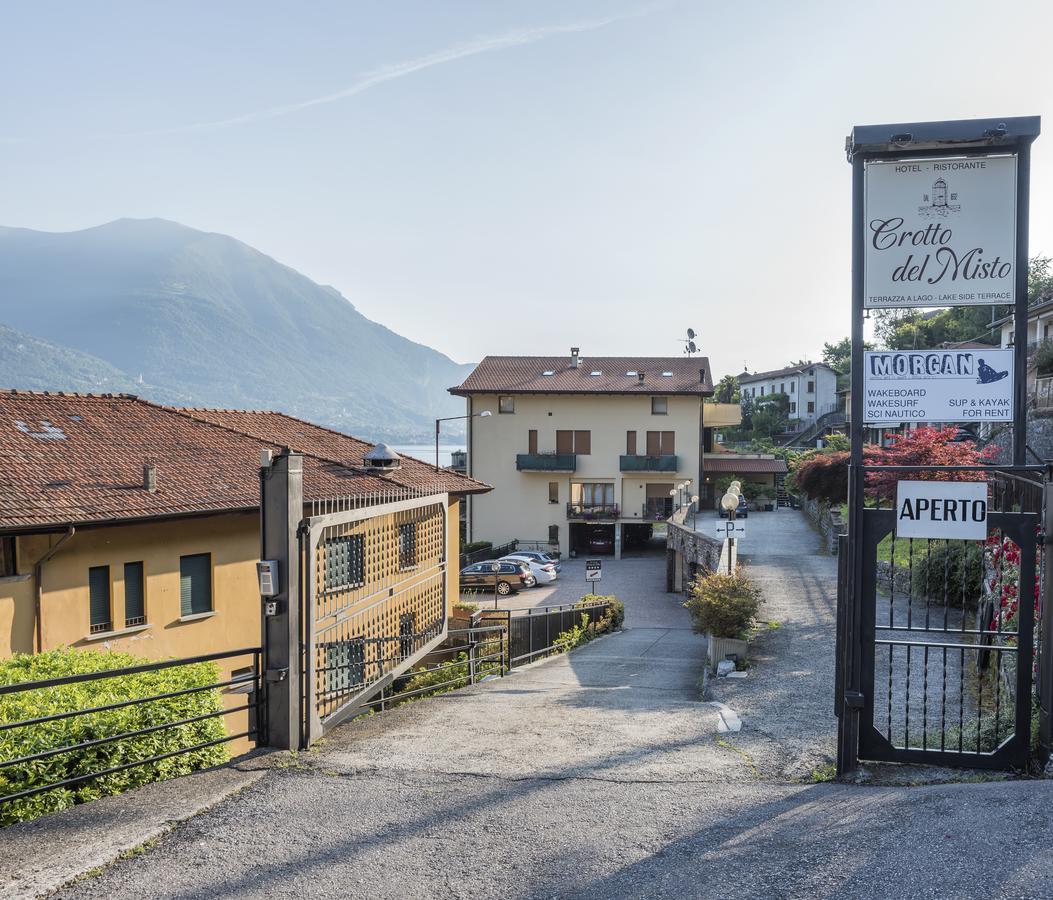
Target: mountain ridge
<point>205,318</point>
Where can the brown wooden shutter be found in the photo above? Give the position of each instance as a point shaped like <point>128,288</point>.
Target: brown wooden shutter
<point>654,439</point>
<point>564,441</point>
<point>532,441</point>
<point>630,443</point>
<point>553,492</point>
<point>583,442</point>
<point>668,443</point>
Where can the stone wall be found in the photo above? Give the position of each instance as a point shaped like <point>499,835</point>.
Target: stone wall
<point>688,553</point>
<point>827,520</point>
<point>1039,436</point>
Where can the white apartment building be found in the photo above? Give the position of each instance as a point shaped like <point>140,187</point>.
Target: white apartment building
<point>586,453</point>
<point>811,389</point>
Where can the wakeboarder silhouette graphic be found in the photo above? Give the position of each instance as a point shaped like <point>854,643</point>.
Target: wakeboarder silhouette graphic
<point>987,375</point>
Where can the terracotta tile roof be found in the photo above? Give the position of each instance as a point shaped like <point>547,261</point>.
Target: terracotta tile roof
<point>731,463</point>
<point>78,459</point>
<point>779,373</point>
<point>525,375</point>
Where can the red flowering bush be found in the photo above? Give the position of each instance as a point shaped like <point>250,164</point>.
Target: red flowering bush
<point>923,447</point>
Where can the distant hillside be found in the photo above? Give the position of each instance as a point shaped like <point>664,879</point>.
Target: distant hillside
<point>204,319</point>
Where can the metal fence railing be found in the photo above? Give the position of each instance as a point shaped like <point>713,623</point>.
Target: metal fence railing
<point>533,631</point>
<point>250,680</point>
<point>495,552</point>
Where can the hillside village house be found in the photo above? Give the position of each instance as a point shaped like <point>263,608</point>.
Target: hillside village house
<point>133,526</point>
<point>810,388</point>
<point>586,454</point>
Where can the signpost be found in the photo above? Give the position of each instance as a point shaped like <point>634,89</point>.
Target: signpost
<point>730,528</point>
<point>951,510</point>
<point>937,386</point>
<point>593,570</point>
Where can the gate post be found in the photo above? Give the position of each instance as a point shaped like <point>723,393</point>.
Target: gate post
<point>281,510</point>
<point>1045,641</point>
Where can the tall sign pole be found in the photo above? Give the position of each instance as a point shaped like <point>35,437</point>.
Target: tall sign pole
<point>939,219</point>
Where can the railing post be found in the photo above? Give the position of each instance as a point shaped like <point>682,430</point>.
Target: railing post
<point>1045,643</point>
<point>471,658</point>
<point>281,510</point>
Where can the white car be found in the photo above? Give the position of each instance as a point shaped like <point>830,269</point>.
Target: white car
<point>543,572</point>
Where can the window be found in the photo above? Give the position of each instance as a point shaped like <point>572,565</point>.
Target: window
<point>592,495</point>
<point>782,387</point>
<point>532,441</point>
<point>811,387</point>
<point>553,534</point>
<point>8,560</point>
<point>99,599</point>
<point>548,373</point>
<point>793,407</point>
<point>762,390</point>
<point>134,595</point>
<point>553,492</point>
<point>583,442</point>
<point>564,441</point>
<point>630,443</point>
<point>811,406</point>
<point>345,665</point>
<point>595,373</point>
<point>661,443</point>
<point>407,634</point>
<point>345,562</point>
<point>408,545</point>
<point>195,584</point>
<point>506,404</point>
<point>659,406</point>
<point>793,387</point>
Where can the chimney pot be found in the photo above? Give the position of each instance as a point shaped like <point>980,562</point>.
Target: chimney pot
<point>150,477</point>
<point>702,376</point>
<point>640,375</point>
<point>575,360</point>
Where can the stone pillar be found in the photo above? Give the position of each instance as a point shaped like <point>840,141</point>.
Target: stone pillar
<point>617,540</point>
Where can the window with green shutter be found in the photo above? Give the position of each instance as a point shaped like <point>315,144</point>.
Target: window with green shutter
<point>408,545</point>
<point>345,562</point>
<point>134,595</point>
<point>99,599</point>
<point>195,584</point>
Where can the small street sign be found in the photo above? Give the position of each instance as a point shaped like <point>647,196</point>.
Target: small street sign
<point>731,529</point>
<point>938,386</point>
<point>942,509</point>
<point>593,569</point>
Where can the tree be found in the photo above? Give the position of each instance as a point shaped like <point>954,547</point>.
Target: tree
<point>727,390</point>
<point>823,478</point>
<point>1039,279</point>
<point>923,447</point>
<point>770,415</point>
<point>839,356</point>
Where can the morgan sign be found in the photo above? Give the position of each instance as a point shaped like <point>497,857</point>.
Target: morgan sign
<point>940,232</point>
<point>942,509</point>
<point>937,386</point>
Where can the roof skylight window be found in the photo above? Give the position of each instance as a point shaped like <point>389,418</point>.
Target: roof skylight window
<point>595,372</point>
<point>631,374</point>
<point>548,372</point>
<point>667,374</point>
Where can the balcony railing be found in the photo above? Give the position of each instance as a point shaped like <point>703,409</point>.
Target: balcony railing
<point>658,509</point>
<point>546,462</point>
<point>649,463</point>
<point>591,511</point>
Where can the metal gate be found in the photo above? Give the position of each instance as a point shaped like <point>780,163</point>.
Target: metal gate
<point>946,651</point>
<point>374,600</point>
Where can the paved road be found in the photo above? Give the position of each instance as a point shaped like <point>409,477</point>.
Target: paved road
<point>600,775</point>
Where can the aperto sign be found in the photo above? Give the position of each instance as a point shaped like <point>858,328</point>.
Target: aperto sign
<point>940,232</point>
<point>942,509</point>
<point>937,386</point>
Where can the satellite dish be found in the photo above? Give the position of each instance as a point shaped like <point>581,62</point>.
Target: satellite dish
<point>691,348</point>
<point>690,334</point>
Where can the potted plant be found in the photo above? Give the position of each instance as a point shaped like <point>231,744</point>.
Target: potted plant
<point>723,607</point>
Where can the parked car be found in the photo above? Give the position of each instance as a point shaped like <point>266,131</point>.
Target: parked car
<point>741,512</point>
<point>601,542</point>
<point>538,556</point>
<point>510,578</point>
<point>543,572</point>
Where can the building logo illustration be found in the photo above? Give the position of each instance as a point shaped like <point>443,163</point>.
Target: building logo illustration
<point>986,375</point>
<point>939,202</point>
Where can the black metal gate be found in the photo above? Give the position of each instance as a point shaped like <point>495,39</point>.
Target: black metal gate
<point>946,644</point>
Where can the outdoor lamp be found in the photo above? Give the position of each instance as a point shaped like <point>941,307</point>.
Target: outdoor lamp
<point>485,414</point>
<point>729,502</point>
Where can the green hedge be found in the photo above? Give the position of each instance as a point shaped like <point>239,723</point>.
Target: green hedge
<point>614,618</point>
<point>27,740</point>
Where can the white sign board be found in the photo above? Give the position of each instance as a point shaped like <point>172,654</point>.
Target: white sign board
<point>937,386</point>
<point>593,569</point>
<point>942,509</point>
<point>731,529</point>
<point>940,232</point>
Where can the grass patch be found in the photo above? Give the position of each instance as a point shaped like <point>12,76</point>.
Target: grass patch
<point>824,773</point>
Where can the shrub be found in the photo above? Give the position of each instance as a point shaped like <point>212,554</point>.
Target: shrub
<point>723,605</point>
<point>30,739</point>
<point>823,478</point>
<point>1044,358</point>
<point>614,618</point>
<point>961,565</point>
<point>472,546</point>
<point>448,677</point>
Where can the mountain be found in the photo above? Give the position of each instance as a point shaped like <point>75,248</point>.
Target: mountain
<point>180,315</point>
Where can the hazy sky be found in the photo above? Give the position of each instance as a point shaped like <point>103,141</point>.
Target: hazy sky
<point>512,177</point>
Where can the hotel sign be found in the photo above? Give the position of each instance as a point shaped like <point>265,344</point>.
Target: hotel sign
<point>940,232</point>
<point>937,386</point>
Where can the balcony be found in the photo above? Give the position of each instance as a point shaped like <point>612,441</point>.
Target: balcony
<point>592,512</point>
<point>546,462</point>
<point>658,509</point>
<point>648,463</point>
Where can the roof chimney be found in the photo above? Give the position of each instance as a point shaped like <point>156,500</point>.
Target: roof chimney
<point>640,375</point>
<point>575,360</point>
<point>701,376</point>
<point>150,478</point>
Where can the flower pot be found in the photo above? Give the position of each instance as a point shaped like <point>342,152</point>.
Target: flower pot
<point>719,648</point>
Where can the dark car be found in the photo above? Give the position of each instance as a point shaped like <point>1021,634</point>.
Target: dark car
<point>601,542</point>
<point>741,512</point>
<point>509,578</point>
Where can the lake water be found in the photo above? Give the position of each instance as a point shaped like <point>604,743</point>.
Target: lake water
<point>426,452</point>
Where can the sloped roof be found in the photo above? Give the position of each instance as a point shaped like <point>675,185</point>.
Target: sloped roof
<point>69,459</point>
<point>616,375</point>
<point>733,464</point>
<point>780,373</point>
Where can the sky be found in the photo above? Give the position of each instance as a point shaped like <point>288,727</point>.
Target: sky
<point>512,177</point>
